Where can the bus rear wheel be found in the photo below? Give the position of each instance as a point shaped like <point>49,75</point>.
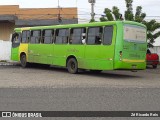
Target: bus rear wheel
<point>23,60</point>
<point>72,66</point>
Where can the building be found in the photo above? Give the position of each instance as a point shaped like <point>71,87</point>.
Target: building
<point>12,16</point>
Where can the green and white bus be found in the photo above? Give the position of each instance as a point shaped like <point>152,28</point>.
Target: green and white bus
<point>115,45</point>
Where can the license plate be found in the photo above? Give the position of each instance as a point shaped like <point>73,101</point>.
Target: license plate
<point>134,66</point>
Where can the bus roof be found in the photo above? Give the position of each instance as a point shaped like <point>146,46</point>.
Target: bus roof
<point>79,25</point>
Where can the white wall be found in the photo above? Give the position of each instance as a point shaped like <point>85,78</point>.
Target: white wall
<point>5,50</point>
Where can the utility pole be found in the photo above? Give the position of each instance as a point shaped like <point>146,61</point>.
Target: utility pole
<point>59,14</point>
<point>92,8</point>
<point>58,4</point>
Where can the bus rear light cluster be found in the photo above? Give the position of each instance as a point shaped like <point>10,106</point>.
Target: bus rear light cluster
<point>120,54</point>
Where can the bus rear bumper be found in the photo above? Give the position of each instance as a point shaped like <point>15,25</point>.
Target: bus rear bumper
<point>130,65</point>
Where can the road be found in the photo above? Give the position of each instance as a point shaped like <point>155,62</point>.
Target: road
<point>54,89</point>
<point>15,76</point>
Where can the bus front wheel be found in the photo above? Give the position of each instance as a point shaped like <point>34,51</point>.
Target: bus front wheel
<point>23,60</point>
<point>72,66</point>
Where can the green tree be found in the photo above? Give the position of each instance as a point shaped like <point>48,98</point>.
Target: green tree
<point>92,20</point>
<point>152,31</point>
<point>139,16</point>
<point>116,12</point>
<point>129,12</point>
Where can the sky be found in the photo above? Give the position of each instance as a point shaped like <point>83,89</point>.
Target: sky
<point>150,7</point>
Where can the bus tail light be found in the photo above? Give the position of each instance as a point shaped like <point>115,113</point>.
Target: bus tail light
<point>120,54</point>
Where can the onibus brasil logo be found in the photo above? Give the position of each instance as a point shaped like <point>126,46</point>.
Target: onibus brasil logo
<point>21,114</point>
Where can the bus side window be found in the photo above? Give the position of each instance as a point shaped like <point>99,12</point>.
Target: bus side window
<point>94,35</point>
<point>83,36</point>
<point>47,36</point>
<point>16,38</point>
<point>35,36</point>
<point>28,36</point>
<point>25,36</point>
<point>108,33</point>
<point>76,36</point>
<point>62,36</point>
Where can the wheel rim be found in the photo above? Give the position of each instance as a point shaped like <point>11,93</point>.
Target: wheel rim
<point>73,66</point>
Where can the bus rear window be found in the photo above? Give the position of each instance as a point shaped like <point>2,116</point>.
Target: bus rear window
<point>133,33</point>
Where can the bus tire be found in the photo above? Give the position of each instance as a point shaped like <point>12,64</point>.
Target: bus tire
<point>23,61</point>
<point>72,66</point>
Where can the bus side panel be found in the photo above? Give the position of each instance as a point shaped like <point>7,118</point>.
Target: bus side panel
<point>107,56</point>
<point>99,57</point>
<point>118,46</point>
<point>40,53</point>
<point>23,49</point>
<point>46,53</point>
<point>60,56</point>
<point>92,57</point>
<point>32,49</point>
<point>15,54</point>
<point>78,52</point>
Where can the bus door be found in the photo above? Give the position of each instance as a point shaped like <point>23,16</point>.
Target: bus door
<point>93,48</point>
<point>47,47</point>
<point>99,53</point>
<point>108,47</point>
<point>60,47</point>
<point>15,46</point>
<point>34,47</point>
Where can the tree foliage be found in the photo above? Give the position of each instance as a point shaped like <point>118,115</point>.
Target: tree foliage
<point>152,31</point>
<point>92,20</point>
<point>116,12</point>
<point>129,12</point>
<point>139,16</point>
